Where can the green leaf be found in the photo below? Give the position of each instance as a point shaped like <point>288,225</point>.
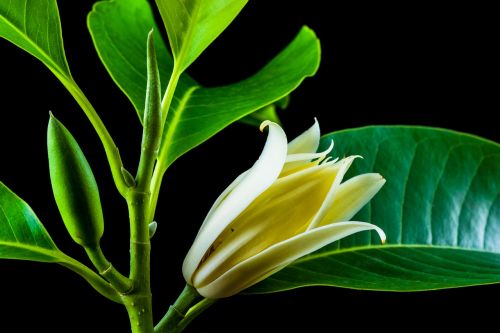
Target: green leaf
<point>268,112</point>
<point>120,28</point>
<point>256,118</point>
<point>35,27</point>
<point>440,209</point>
<point>192,25</point>
<point>23,237</point>
<point>200,113</point>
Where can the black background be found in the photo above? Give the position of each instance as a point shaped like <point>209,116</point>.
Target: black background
<point>388,63</point>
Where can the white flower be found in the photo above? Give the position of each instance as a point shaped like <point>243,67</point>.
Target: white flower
<point>289,204</point>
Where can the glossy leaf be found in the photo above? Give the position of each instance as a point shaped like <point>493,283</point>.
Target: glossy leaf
<point>192,25</point>
<point>23,237</point>
<point>440,209</point>
<point>119,29</point>
<point>35,27</point>
<point>256,118</point>
<point>202,112</point>
<point>268,112</point>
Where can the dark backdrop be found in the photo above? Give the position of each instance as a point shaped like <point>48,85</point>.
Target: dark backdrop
<point>403,63</point>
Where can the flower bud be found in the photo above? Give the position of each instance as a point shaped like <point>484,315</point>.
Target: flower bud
<point>74,186</point>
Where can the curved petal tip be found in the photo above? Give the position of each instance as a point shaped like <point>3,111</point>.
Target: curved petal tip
<point>265,124</point>
<point>380,233</point>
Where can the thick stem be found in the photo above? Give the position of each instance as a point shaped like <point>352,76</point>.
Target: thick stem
<point>139,302</point>
<point>139,312</point>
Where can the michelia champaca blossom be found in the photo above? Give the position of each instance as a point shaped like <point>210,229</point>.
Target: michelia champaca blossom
<point>290,203</point>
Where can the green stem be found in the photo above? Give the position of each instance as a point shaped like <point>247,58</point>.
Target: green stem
<point>112,152</point>
<point>193,313</point>
<point>169,93</point>
<point>153,126</point>
<point>106,269</point>
<point>97,282</point>
<point>182,312</point>
<point>138,301</point>
<point>156,181</point>
<point>159,170</point>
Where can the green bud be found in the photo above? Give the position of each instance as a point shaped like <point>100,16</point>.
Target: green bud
<point>128,178</point>
<point>152,229</point>
<point>152,130</point>
<point>74,186</point>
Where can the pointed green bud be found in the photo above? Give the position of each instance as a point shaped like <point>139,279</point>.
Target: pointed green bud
<point>152,121</point>
<point>128,178</point>
<point>152,229</point>
<point>74,186</point>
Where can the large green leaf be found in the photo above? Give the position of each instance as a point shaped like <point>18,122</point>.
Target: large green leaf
<point>23,237</point>
<point>192,25</point>
<point>203,112</point>
<point>119,29</point>
<point>35,27</point>
<point>440,209</point>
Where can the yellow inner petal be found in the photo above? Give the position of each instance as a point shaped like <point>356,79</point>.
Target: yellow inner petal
<point>282,211</point>
<point>297,168</point>
<point>351,196</point>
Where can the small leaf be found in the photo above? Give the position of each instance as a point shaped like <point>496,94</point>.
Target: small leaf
<point>440,209</point>
<point>119,30</point>
<point>128,178</point>
<point>34,26</point>
<point>192,25</point>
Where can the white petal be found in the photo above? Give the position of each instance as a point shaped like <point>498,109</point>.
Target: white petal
<point>297,162</point>
<point>241,193</point>
<point>307,142</point>
<point>221,198</point>
<point>352,195</point>
<point>330,197</point>
<point>269,261</point>
<point>284,210</point>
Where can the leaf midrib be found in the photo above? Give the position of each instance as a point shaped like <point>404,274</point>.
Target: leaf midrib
<point>55,253</point>
<point>189,32</point>
<point>50,63</point>
<point>172,125</point>
<point>415,273</point>
<point>383,247</point>
<point>426,128</point>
